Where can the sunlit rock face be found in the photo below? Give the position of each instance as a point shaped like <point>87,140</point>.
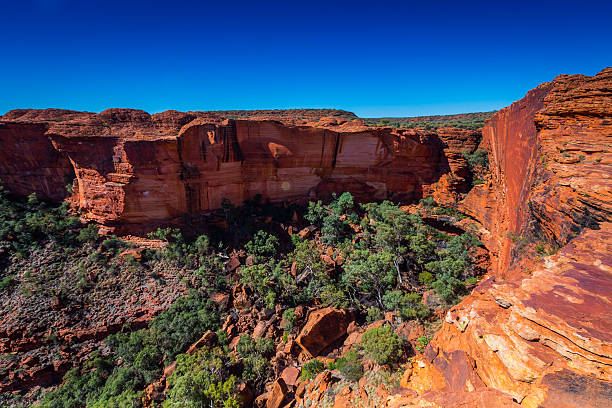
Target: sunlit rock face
<point>539,328</point>
<point>135,168</point>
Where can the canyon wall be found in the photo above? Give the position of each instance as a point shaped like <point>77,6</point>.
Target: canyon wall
<point>132,168</point>
<point>538,328</point>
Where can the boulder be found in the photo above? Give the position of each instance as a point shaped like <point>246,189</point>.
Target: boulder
<point>277,395</point>
<point>323,328</point>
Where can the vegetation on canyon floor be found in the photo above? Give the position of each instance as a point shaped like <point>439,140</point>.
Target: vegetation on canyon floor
<point>462,121</point>
<point>369,259</point>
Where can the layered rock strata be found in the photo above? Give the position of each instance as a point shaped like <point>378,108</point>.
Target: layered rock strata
<point>538,329</point>
<point>133,168</point>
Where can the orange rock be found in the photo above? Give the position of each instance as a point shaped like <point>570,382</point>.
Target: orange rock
<point>323,328</point>
<point>290,375</point>
<point>154,168</point>
<point>277,394</point>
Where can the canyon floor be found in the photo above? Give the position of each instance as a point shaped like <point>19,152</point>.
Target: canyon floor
<point>309,258</point>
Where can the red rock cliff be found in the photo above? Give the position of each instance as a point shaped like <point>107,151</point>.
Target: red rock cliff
<point>538,329</point>
<point>134,168</point>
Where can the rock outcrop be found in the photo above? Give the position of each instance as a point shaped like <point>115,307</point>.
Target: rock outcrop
<point>132,168</point>
<point>538,329</point>
<point>536,332</point>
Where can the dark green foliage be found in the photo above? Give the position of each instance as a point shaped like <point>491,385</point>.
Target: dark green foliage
<point>368,272</point>
<point>184,322</point>
<point>255,356</point>
<point>316,213</point>
<point>408,304</point>
<point>31,223</point>
<point>271,281</point>
<point>479,158</point>
<point>464,121</point>
<point>262,246</point>
<point>454,264</point>
<point>374,314</point>
<point>7,282</point>
<point>334,229</point>
<point>289,319</point>
<point>137,357</point>
<point>350,366</point>
<point>382,345</point>
<point>113,245</point>
<point>81,386</point>
<point>311,369</point>
<point>343,204</point>
<point>88,234</point>
<point>203,379</point>
<point>426,278</point>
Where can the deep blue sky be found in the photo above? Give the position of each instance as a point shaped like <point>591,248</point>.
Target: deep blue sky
<point>376,58</point>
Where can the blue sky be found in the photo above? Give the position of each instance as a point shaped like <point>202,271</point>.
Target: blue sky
<point>377,58</point>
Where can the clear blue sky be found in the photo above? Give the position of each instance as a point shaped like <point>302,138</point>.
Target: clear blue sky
<point>376,58</point>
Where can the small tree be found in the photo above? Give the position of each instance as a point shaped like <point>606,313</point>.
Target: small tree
<point>382,345</point>
<point>370,272</point>
<point>262,246</point>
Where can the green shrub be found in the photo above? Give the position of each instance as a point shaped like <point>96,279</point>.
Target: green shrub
<point>374,315</point>
<point>342,204</point>
<point>334,229</point>
<point>479,158</point>
<point>80,386</point>
<point>184,322</point>
<point>382,345</point>
<point>422,343</point>
<point>270,281</point>
<point>368,272</point>
<point>255,357</point>
<point>88,234</point>
<point>426,278</point>
<point>350,366</point>
<point>288,319</point>
<point>7,282</point>
<point>203,379</point>
<point>315,213</point>
<point>311,369</point>
<point>408,304</point>
<point>262,246</point>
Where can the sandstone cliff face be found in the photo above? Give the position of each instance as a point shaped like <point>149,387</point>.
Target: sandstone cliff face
<point>133,168</point>
<point>538,329</point>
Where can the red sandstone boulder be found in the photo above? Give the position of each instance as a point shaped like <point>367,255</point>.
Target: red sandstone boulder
<point>277,395</point>
<point>322,329</point>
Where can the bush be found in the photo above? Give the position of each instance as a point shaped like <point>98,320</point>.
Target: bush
<point>368,272</point>
<point>270,281</point>
<point>88,234</point>
<point>426,278</point>
<point>342,204</point>
<point>262,246</point>
<point>203,379</point>
<point>422,343</point>
<point>350,366</point>
<point>382,345</point>
<point>334,229</point>
<point>184,322</point>
<point>288,319</point>
<point>255,357</point>
<point>311,369</point>
<point>7,282</point>
<point>409,305</point>
<point>478,159</point>
<point>374,315</point>
<point>315,213</point>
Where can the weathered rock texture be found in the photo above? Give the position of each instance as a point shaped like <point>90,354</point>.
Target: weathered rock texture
<point>133,168</point>
<point>539,328</point>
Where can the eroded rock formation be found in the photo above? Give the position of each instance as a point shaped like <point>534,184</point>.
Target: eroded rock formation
<point>538,329</point>
<point>133,168</point>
